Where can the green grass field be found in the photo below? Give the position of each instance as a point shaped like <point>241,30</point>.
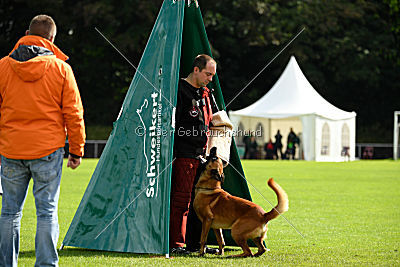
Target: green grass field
<point>348,213</point>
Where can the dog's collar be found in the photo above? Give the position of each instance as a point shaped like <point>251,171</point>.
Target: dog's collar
<point>207,188</point>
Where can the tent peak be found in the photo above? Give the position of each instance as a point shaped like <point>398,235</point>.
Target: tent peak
<point>293,95</point>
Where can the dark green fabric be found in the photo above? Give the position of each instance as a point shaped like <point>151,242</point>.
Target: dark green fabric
<point>122,210</point>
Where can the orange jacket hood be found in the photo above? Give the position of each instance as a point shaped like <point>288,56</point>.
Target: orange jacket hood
<point>42,42</point>
<point>34,68</point>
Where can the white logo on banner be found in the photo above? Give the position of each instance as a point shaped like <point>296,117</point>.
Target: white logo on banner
<point>154,142</point>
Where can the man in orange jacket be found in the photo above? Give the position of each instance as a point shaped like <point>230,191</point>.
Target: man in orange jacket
<point>39,105</point>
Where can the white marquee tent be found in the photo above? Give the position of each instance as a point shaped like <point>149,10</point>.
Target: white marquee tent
<point>327,131</point>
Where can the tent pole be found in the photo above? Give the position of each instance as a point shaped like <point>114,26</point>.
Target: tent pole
<point>167,256</point>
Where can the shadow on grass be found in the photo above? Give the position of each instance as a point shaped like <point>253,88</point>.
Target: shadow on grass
<point>80,252</point>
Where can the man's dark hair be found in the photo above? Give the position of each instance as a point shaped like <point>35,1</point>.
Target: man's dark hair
<point>201,61</point>
<point>42,25</point>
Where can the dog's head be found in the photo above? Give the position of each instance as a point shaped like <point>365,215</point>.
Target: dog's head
<point>214,166</point>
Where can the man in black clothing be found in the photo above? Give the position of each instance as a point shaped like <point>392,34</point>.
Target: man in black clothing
<point>291,144</point>
<point>194,111</point>
<point>278,145</point>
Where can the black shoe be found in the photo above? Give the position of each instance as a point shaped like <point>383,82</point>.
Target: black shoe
<point>180,251</point>
<point>208,250</point>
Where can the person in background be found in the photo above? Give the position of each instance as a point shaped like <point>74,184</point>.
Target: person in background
<point>253,148</point>
<point>292,140</point>
<point>246,141</point>
<point>269,149</point>
<point>278,145</point>
<point>39,105</point>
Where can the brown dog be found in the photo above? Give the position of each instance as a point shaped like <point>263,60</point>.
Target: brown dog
<point>219,210</point>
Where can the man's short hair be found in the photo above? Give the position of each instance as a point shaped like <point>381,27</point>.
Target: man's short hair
<point>43,26</point>
<point>201,61</point>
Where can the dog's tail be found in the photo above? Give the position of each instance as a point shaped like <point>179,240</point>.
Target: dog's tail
<point>283,201</point>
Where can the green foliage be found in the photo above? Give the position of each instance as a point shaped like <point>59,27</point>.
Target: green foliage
<point>98,132</point>
<point>350,50</point>
<point>348,213</point>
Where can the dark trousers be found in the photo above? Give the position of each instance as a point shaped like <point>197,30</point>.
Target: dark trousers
<point>193,228</point>
<point>182,183</point>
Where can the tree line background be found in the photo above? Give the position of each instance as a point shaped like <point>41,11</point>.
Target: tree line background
<point>350,50</point>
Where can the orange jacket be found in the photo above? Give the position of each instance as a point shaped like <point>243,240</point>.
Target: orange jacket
<point>39,103</point>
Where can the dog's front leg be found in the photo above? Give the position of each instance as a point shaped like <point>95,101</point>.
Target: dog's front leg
<point>220,240</point>
<point>204,233</point>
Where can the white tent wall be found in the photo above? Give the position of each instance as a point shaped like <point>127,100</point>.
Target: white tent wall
<point>325,148</point>
<point>331,137</point>
<point>308,138</point>
<point>351,123</point>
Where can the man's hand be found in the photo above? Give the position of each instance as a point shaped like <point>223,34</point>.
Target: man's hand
<point>73,163</point>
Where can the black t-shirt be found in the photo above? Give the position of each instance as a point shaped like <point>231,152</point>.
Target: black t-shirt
<point>190,130</point>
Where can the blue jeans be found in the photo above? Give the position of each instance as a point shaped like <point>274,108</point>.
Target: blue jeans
<point>15,177</point>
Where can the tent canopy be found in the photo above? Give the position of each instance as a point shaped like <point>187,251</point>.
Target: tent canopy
<point>292,96</point>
